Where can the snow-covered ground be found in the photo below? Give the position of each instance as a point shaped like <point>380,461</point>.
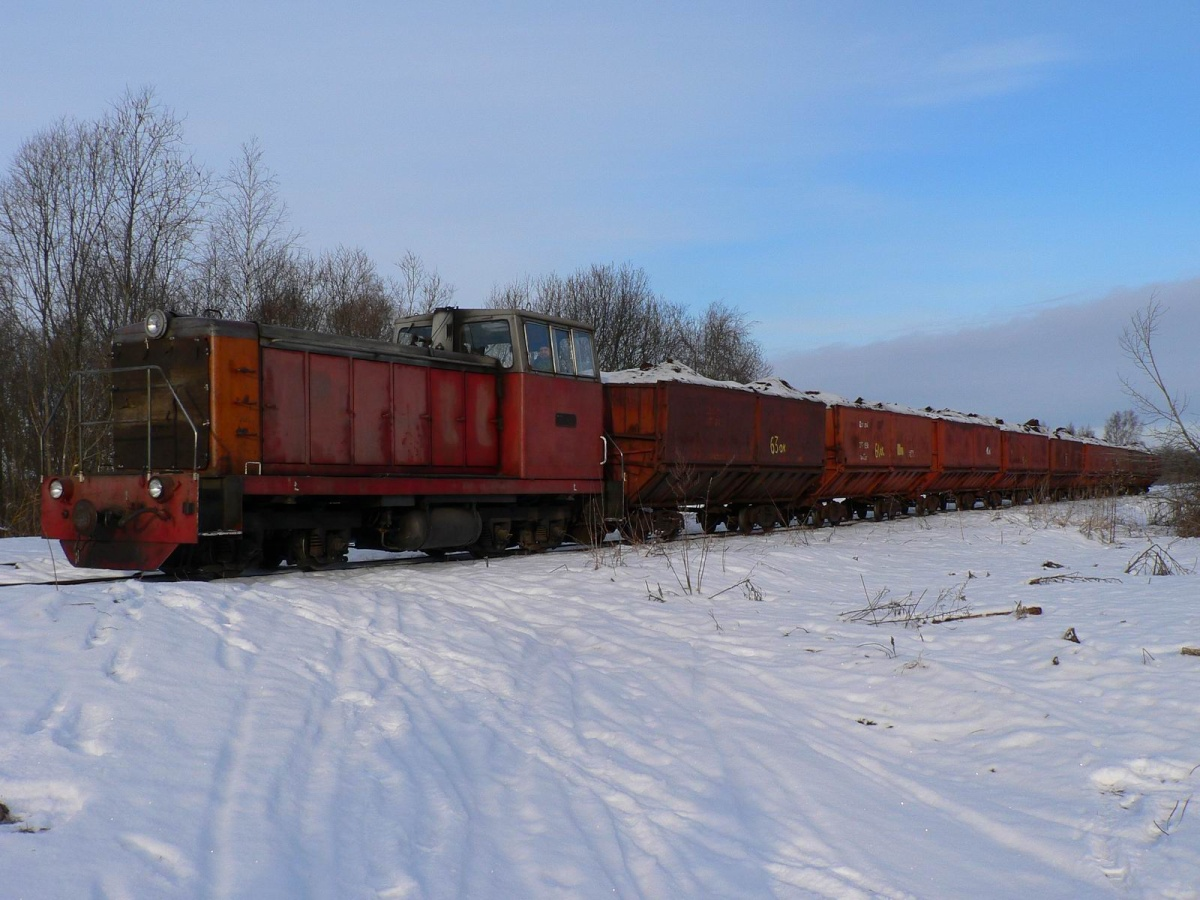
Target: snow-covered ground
<point>585,725</point>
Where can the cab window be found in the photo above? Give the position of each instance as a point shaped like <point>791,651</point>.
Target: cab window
<point>415,335</point>
<point>564,357</point>
<point>492,339</point>
<point>537,343</point>
<point>585,360</point>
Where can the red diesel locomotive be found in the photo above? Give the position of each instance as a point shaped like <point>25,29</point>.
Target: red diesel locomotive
<point>229,445</point>
<point>235,444</point>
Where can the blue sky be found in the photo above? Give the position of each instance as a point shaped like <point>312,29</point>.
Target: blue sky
<point>847,173</point>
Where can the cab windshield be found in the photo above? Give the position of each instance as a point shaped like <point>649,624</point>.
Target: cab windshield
<point>559,349</point>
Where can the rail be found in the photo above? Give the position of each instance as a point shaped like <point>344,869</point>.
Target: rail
<point>76,381</point>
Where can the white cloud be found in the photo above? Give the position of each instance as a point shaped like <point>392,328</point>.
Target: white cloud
<point>987,70</point>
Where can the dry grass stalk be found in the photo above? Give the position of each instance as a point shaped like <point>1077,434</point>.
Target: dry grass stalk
<point>1155,560</point>
<point>1072,578</point>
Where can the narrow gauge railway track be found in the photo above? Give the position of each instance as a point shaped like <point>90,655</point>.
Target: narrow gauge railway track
<point>460,555</point>
<point>349,566</point>
<point>157,577</point>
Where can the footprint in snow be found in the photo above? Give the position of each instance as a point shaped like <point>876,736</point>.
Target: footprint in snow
<point>167,858</point>
<point>120,667</point>
<point>79,727</point>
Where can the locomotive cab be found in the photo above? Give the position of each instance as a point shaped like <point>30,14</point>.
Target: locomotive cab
<point>522,342</point>
<point>550,403</point>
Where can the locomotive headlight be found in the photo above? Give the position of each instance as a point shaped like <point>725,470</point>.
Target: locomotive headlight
<point>57,489</point>
<point>155,487</point>
<point>156,324</point>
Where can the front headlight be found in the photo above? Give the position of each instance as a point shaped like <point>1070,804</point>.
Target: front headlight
<point>57,489</point>
<point>156,324</point>
<point>155,487</point>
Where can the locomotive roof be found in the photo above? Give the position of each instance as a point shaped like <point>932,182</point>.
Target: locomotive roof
<point>470,314</point>
<point>301,339</point>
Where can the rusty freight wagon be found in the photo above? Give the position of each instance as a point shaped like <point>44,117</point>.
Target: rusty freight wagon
<point>878,458</point>
<point>967,462</point>
<point>1025,457</point>
<point>737,455</point>
<point>1066,476</point>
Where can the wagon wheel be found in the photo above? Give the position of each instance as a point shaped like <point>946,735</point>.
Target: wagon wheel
<point>745,520</point>
<point>710,517</point>
<point>667,524</point>
<point>591,529</point>
<point>835,512</point>
<point>768,516</point>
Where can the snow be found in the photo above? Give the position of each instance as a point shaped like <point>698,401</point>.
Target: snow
<point>709,718</point>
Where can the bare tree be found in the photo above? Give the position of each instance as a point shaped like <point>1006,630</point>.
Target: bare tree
<point>1124,428</point>
<point>420,289</point>
<point>635,326</point>
<point>53,205</point>
<point>1180,452</point>
<point>1085,431</point>
<point>351,296</point>
<point>1157,402</point>
<point>720,346</point>
<point>250,242</point>
<point>157,194</point>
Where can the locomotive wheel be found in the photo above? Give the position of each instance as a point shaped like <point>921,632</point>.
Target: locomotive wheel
<point>315,548</point>
<point>536,536</point>
<point>211,558</point>
<point>273,550</point>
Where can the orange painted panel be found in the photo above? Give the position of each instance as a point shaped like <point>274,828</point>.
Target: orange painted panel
<point>236,431</point>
